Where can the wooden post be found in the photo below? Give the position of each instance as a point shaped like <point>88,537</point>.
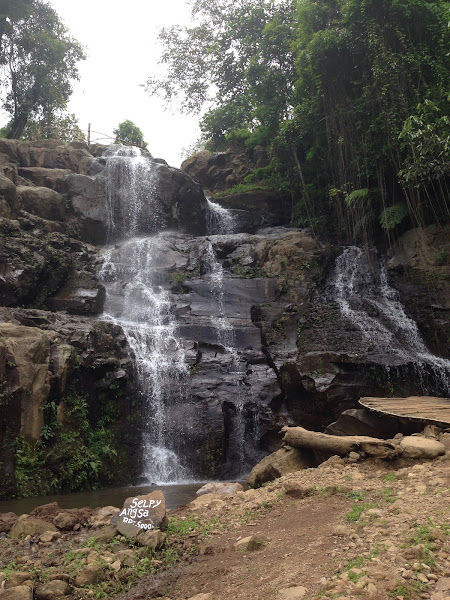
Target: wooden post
<point>89,134</point>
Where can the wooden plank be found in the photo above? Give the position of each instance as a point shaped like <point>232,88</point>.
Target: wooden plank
<point>427,409</point>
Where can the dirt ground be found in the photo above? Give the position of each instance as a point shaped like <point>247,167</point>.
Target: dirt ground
<point>339,531</point>
<point>346,530</point>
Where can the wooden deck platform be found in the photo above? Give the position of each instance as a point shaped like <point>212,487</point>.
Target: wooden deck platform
<point>427,409</point>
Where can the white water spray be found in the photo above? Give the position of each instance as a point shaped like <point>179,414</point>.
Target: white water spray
<point>365,297</point>
<point>135,300</point>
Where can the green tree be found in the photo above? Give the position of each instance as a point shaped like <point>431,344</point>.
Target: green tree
<point>236,59</point>
<point>38,59</point>
<point>62,126</point>
<point>129,134</point>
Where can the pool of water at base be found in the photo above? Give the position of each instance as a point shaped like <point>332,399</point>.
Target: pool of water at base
<point>176,495</point>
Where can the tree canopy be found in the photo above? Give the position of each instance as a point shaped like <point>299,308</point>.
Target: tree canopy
<point>350,97</point>
<point>129,134</point>
<point>38,61</point>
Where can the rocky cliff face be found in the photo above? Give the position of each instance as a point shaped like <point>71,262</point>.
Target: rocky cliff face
<point>264,342</point>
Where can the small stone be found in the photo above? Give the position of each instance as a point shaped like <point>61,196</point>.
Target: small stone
<point>52,590</point>
<point>222,488</point>
<point>89,575</point>
<point>422,577</point>
<point>443,584</point>
<point>371,589</point>
<point>105,534</point>
<point>115,566</point>
<point>201,597</point>
<point>354,456</point>
<point>152,539</point>
<point>49,536</point>
<point>103,516</point>
<point>17,579</point>
<point>251,543</point>
<point>341,530</point>
<point>292,593</point>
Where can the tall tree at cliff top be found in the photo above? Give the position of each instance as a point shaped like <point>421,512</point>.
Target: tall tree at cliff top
<point>38,60</point>
<point>350,95</point>
<point>236,60</point>
<point>371,111</point>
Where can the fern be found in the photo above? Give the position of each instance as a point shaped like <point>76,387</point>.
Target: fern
<point>393,215</point>
<point>356,195</point>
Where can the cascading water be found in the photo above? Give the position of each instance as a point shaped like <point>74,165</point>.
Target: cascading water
<point>243,431</point>
<point>219,220</point>
<point>129,192</point>
<point>136,300</point>
<point>361,289</point>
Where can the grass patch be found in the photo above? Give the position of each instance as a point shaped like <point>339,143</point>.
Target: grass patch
<point>358,510</point>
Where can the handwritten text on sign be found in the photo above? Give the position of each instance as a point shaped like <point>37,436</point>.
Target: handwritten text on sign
<point>138,509</point>
<point>141,513</point>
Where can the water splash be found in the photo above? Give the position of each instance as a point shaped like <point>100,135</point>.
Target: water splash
<point>360,287</point>
<point>219,220</point>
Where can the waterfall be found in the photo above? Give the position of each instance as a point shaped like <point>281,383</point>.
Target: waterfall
<point>137,301</point>
<point>360,287</point>
<point>243,432</point>
<point>129,192</point>
<point>219,220</point>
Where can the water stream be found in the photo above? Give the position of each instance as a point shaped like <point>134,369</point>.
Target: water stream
<point>361,288</point>
<point>132,273</point>
<point>243,432</point>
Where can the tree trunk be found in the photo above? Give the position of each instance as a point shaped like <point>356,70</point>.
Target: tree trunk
<point>341,445</point>
<point>17,126</point>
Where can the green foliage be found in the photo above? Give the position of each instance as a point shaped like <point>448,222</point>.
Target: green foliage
<point>358,510</point>
<point>129,134</point>
<point>77,456</point>
<point>39,59</point>
<point>350,99</point>
<point>393,215</point>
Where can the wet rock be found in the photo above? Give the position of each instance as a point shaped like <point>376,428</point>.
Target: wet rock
<point>28,525</point>
<point>283,461</point>
<point>222,488</point>
<point>52,590</point>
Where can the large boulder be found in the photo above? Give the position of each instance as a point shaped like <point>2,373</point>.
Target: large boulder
<point>8,196</point>
<point>27,525</point>
<point>283,461</point>
<point>42,201</point>
<point>28,349</point>
<point>49,178</point>
<point>54,154</point>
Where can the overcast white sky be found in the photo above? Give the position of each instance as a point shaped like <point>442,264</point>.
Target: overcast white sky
<point>120,38</point>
